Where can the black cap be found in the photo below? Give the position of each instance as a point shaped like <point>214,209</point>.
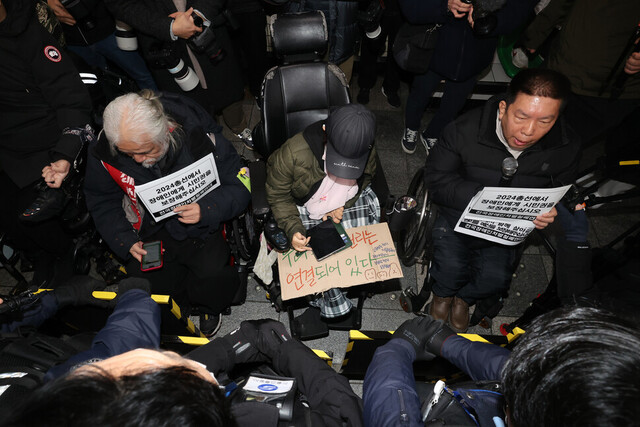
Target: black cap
<point>351,130</point>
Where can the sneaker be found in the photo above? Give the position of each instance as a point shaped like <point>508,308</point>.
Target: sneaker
<point>519,58</point>
<point>392,98</point>
<point>409,140</point>
<point>363,96</point>
<point>428,142</point>
<point>210,324</point>
<point>246,138</point>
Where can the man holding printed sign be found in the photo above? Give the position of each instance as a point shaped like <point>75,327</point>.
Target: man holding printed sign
<point>162,171</point>
<point>517,140</point>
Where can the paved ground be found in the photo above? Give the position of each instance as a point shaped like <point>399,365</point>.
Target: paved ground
<point>382,311</point>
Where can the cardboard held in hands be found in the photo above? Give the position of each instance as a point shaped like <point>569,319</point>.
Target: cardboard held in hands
<point>371,258</point>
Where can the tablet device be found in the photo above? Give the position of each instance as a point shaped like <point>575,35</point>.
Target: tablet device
<point>327,238</point>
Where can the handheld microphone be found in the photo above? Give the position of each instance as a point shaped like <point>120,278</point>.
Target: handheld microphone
<point>509,168</point>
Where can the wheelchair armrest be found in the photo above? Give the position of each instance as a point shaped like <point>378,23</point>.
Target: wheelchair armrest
<point>261,210</point>
<point>258,175</point>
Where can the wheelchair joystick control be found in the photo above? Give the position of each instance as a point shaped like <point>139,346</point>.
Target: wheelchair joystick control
<point>276,236</point>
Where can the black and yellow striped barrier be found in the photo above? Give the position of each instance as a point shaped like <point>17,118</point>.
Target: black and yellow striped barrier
<point>362,345</point>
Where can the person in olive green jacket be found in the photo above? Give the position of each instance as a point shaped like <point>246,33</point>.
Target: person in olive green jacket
<point>322,171</point>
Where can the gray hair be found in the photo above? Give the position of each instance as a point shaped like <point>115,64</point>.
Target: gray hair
<point>143,115</point>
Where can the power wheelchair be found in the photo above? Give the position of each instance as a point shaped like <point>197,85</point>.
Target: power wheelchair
<point>294,95</point>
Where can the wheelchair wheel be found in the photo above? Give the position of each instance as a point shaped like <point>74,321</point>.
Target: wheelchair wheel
<point>415,237</point>
<point>245,236</point>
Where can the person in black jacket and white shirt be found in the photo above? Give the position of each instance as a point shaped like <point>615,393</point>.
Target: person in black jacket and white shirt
<point>525,124</point>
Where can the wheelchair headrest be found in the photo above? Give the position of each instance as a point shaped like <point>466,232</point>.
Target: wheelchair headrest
<point>299,37</point>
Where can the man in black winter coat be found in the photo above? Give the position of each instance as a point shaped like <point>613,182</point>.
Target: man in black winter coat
<point>148,137</point>
<point>526,125</point>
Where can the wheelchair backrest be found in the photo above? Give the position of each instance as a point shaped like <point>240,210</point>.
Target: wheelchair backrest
<point>303,90</point>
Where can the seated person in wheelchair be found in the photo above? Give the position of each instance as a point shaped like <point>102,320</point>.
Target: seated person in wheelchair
<point>43,108</point>
<point>527,125</point>
<point>573,366</point>
<point>147,137</point>
<point>124,379</point>
<point>325,171</point>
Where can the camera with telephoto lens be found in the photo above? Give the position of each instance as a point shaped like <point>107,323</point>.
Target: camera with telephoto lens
<point>369,19</point>
<point>163,56</point>
<point>484,18</point>
<point>125,37</point>
<point>81,13</point>
<point>205,42</point>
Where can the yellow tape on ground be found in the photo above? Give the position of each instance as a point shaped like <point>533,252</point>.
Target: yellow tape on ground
<point>357,335</point>
<point>629,162</point>
<point>193,340</point>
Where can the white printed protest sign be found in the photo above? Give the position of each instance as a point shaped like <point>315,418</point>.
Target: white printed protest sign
<point>504,215</point>
<point>186,186</point>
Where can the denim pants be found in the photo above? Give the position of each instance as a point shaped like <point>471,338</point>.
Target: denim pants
<point>469,269</point>
<point>132,63</point>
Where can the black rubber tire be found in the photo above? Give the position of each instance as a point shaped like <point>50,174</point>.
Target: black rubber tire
<point>245,235</point>
<point>412,240</point>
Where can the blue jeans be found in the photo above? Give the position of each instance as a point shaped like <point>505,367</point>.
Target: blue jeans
<point>454,95</point>
<point>132,63</point>
<point>460,269</point>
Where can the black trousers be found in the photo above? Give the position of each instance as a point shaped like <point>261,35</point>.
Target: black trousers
<point>370,51</point>
<point>196,272</point>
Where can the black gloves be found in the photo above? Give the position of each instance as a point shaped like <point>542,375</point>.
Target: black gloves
<point>78,290</point>
<point>425,334</point>
<point>133,283</point>
<point>254,341</point>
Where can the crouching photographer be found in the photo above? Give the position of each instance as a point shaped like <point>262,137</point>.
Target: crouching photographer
<point>188,47</point>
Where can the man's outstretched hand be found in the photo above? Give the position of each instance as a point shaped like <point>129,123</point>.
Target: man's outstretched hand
<point>425,334</point>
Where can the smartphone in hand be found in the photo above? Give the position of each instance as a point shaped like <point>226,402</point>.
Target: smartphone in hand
<point>153,259</point>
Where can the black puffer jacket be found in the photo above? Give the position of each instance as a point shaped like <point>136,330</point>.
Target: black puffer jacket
<point>41,94</point>
<point>104,196</point>
<point>469,157</point>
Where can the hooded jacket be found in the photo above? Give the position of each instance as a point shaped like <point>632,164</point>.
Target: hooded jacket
<point>41,94</point>
<point>294,174</point>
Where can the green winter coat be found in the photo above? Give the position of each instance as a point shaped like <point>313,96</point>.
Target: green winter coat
<point>294,174</point>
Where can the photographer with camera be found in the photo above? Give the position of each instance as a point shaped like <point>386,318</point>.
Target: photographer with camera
<point>187,45</point>
<point>42,104</point>
<point>464,49</point>
<point>90,32</point>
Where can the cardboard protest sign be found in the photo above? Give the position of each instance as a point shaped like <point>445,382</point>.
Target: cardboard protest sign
<point>504,215</point>
<point>371,258</point>
<point>186,186</point>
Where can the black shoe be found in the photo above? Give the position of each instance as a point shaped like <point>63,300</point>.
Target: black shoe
<point>392,98</point>
<point>49,204</point>
<point>309,325</point>
<point>363,96</point>
<point>210,324</point>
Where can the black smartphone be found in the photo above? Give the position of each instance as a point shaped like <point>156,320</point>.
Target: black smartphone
<point>153,259</point>
<point>327,238</point>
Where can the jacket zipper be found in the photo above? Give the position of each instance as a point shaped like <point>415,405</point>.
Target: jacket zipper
<point>404,417</point>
